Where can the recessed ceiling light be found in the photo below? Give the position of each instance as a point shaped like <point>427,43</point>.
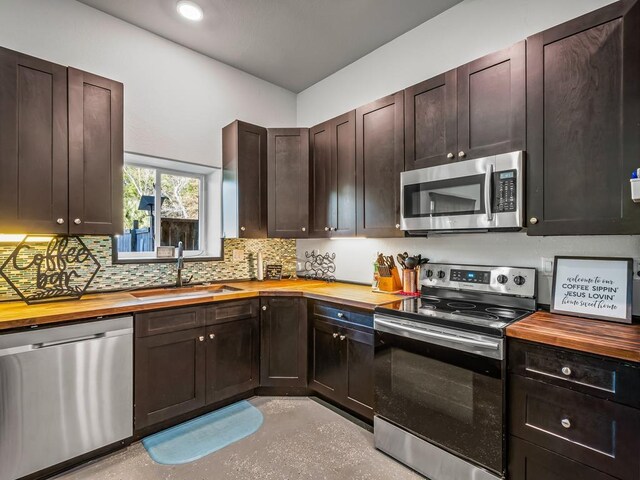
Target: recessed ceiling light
<point>190,10</point>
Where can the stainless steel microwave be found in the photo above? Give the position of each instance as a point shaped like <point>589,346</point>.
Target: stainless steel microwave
<point>475,195</point>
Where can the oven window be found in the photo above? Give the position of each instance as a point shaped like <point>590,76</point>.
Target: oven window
<point>450,398</point>
<point>457,196</point>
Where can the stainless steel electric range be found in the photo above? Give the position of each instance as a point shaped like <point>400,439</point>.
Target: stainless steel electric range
<point>440,370</point>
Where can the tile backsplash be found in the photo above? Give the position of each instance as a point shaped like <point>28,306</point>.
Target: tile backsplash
<point>131,276</point>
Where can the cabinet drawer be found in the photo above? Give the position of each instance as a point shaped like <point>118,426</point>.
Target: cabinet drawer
<point>165,321</point>
<point>530,462</point>
<point>596,432</point>
<point>594,375</point>
<point>333,312</point>
<point>230,311</point>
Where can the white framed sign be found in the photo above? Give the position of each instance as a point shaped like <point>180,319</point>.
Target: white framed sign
<point>593,287</point>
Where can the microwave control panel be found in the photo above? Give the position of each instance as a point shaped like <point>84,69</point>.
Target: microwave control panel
<point>505,196</point>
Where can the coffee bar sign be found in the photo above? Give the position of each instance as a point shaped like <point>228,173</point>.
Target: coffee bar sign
<point>50,268</point>
<point>590,287</point>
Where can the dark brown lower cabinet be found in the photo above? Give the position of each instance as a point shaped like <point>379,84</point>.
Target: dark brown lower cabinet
<point>283,342</point>
<point>341,365</point>
<point>233,353</point>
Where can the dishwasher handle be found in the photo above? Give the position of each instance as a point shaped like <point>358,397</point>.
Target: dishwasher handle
<point>66,341</point>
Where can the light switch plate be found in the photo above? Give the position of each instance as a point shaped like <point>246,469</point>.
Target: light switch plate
<point>238,255</point>
<point>546,266</point>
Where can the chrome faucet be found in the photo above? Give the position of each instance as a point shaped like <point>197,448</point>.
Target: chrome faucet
<point>180,266</point>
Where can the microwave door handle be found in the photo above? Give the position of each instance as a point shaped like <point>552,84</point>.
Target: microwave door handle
<point>487,191</point>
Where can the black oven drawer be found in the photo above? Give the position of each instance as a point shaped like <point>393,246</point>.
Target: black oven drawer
<point>597,376</point>
<point>596,432</point>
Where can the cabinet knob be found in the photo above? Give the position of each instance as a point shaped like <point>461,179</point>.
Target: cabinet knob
<point>304,229</point>
<point>264,307</point>
<point>340,315</point>
<point>342,337</point>
<point>335,335</point>
<point>461,154</point>
<point>333,229</point>
<point>450,155</point>
<point>60,221</point>
<point>326,229</point>
<point>566,371</point>
<point>242,229</point>
<point>77,221</point>
<point>212,336</point>
<point>201,338</point>
<point>397,225</point>
<point>533,220</point>
<point>565,423</point>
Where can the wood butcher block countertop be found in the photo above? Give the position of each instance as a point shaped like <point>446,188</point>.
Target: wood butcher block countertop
<point>17,314</point>
<point>617,340</point>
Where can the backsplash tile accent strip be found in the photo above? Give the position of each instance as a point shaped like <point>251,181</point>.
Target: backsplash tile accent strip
<point>142,275</point>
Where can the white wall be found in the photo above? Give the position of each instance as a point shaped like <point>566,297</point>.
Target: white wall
<point>465,32</point>
<point>176,100</point>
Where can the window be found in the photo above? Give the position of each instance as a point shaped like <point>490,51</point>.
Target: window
<point>182,216</point>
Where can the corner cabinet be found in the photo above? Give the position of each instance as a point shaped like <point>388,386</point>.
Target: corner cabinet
<point>288,182</point>
<point>61,149</point>
<point>379,161</point>
<point>473,111</point>
<point>583,124</point>
<point>244,182</point>
<point>332,174</point>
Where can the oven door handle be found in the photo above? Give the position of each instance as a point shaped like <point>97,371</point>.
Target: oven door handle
<point>438,335</point>
<point>487,191</point>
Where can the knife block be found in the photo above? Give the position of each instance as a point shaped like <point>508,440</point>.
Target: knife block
<point>390,284</point>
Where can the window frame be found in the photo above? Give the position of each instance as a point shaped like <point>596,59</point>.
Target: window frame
<point>204,217</point>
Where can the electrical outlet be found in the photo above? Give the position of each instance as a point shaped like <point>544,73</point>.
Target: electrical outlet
<point>238,255</point>
<point>546,266</point>
<point>636,269</point>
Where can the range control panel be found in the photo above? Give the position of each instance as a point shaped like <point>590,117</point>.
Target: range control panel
<point>502,280</point>
<point>505,198</point>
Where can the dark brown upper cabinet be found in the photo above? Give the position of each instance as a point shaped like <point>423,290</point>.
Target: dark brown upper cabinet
<point>288,182</point>
<point>61,149</point>
<point>33,145</point>
<point>244,183</point>
<point>96,154</point>
<point>333,177</point>
<point>583,124</point>
<point>474,111</point>
<point>379,161</point>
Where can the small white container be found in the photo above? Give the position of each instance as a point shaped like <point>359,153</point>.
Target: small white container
<point>635,190</point>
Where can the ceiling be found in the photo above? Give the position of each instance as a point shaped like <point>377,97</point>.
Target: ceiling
<point>292,43</point>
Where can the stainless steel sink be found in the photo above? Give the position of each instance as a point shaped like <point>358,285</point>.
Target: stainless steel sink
<point>196,291</point>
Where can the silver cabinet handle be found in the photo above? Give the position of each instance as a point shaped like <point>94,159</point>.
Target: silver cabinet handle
<point>201,338</point>
<point>264,307</point>
<point>242,229</point>
<point>450,155</point>
<point>461,154</point>
<point>212,336</point>
<point>333,229</point>
<point>60,221</point>
<point>77,221</point>
<point>304,229</point>
<point>342,337</point>
<point>335,335</point>
<point>397,225</point>
<point>533,220</point>
<point>566,371</point>
<point>326,229</point>
<point>488,176</point>
<point>340,315</point>
<point>565,422</point>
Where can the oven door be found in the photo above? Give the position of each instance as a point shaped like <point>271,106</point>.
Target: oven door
<point>444,386</point>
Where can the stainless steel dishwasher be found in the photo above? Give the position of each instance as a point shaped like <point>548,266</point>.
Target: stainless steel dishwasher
<point>64,391</point>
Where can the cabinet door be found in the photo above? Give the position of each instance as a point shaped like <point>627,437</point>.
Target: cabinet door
<point>530,462</point>
<point>244,186</point>
<point>33,145</point>
<point>359,371</point>
<point>288,182</point>
<point>430,114</point>
<point>96,154</point>
<point>283,342</point>
<point>379,161</point>
<point>169,375</point>
<point>322,181</point>
<point>583,124</point>
<point>491,104</point>
<point>233,355</point>
<point>327,372</point>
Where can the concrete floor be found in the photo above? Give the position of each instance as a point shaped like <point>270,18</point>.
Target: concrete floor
<point>299,439</point>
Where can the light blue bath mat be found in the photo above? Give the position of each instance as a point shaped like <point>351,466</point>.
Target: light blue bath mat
<point>201,436</point>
